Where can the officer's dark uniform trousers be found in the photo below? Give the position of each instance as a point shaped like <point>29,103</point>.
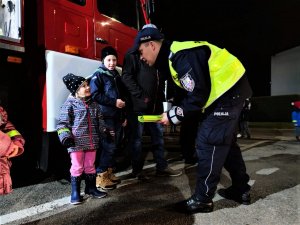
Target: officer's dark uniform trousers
<point>216,144</point>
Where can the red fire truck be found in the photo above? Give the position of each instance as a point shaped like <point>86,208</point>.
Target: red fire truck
<point>43,40</point>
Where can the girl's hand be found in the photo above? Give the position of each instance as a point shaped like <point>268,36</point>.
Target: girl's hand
<point>15,150</point>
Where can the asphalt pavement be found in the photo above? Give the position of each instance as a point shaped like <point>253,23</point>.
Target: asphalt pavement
<point>272,160</point>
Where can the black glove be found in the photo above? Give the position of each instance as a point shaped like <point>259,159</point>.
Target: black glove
<point>68,142</point>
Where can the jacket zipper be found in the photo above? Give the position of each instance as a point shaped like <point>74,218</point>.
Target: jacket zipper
<point>156,91</point>
<point>89,124</point>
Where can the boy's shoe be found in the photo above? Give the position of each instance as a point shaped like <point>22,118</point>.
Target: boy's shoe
<point>103,181</point>
<point>168,172</point>
<point>190,165</point>
<point>193,205</point>
<point>113,177</point>
<point>233,194</point>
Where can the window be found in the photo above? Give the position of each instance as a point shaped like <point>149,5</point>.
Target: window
<point>124,11</point>
<point>10,20</point>
<point>79,2</point>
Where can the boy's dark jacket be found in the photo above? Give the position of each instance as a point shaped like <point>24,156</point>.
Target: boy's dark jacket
<point>106,87</point>
<point>145,85</point>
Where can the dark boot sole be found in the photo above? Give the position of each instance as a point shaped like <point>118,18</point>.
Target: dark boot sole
<point>223,194</point>
<point>75,203</point>
<point>203,210</point>
<point>108,188</point>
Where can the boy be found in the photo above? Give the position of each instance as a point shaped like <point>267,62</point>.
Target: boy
<point>108,91</point>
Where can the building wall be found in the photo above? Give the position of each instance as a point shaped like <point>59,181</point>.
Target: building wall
<point>285,72</point>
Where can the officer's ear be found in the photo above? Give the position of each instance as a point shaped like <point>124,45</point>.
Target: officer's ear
<point>153,45</point>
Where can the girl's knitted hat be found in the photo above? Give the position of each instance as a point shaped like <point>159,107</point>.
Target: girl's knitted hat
<point>73,82</point>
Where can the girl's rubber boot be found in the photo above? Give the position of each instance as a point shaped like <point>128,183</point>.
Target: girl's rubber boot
<point>75,192</point>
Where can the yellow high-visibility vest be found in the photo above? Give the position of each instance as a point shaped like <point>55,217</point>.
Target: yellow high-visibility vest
<point>224,68</point>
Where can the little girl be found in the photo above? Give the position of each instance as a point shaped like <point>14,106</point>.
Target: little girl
<point>79,126</point>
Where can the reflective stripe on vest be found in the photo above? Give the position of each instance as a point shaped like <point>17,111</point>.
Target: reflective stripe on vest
<point>13,133</point>
<point>224,68</point>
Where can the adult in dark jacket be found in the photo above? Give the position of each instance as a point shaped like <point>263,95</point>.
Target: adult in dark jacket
<point>146,88</point>
<point>216,85</point>
<point>145,85</point>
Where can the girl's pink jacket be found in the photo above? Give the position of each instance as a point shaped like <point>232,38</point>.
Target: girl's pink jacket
<point>6,144</point>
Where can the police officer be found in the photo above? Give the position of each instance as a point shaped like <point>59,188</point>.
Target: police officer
<point>217,87</point>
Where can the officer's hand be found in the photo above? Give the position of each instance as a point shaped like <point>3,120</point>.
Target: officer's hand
<point>164,120</point>
<point>68,142</point>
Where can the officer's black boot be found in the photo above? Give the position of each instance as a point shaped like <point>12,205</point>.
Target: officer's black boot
<point>75,194</point>
<point>235,195</point>
<point>90,186</point>
<point>194,205</point>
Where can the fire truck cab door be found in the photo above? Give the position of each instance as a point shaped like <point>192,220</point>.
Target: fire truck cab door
<point>69,23</point>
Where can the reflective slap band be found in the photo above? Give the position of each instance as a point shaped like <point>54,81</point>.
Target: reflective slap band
<point>149,118</point>
<point>172,111</point>
<point>173,117</point>
<point>175,120</point>
<point>63,130</point>
<point>13,133</point>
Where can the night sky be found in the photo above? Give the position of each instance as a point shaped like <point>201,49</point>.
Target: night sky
<point>252,30</point>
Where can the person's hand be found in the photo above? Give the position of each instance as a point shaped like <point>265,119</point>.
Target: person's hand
<point>68,142</point>
<point>124,124</point>
<point>164,120</point>
<point>110,133</point>
<point>120,103</point>
<point>15,150</point>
